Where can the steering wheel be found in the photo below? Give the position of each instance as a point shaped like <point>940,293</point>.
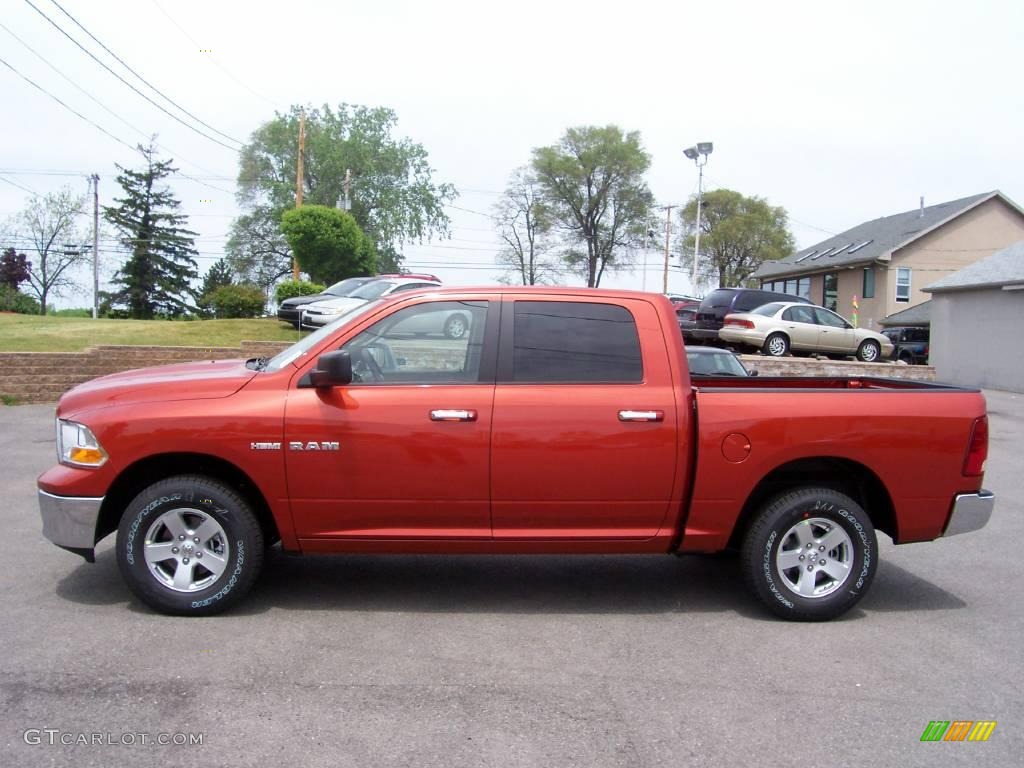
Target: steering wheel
<point>364,364</point>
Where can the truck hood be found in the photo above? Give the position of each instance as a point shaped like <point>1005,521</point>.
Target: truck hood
<point>182,381</point>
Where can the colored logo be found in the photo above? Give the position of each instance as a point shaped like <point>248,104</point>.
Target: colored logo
<point>958,730</point>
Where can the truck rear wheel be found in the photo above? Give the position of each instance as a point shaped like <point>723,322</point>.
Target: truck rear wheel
<point>189,545</point>
<point>810,555</point>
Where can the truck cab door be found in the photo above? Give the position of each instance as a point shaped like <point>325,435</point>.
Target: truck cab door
<point>585,442</point>
<point>401,452</point>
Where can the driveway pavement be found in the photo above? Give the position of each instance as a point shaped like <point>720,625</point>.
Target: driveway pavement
<point>503,661</point>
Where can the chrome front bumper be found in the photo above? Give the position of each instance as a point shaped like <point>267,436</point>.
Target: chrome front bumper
<point>70,521</point>
<point>971,512</point>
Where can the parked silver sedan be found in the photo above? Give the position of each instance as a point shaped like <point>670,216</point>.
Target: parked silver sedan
<point>781,327</point>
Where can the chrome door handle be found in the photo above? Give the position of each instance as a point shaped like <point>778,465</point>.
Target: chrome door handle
<point>452,414</point>
<point>641,415</point>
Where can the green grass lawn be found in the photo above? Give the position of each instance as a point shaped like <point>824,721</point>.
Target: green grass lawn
<point>30,333</point>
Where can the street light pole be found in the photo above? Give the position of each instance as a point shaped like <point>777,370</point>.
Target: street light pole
<point>702,150</point>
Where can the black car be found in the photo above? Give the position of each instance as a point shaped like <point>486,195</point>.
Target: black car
<point>911,343</point>
<point>723,301</point>
<point>288,311</point>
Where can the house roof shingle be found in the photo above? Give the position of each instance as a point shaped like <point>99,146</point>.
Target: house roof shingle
<point>1005,267</point>
<point>872,239</point>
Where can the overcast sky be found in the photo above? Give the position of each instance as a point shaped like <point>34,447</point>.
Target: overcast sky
<point>839,112</point>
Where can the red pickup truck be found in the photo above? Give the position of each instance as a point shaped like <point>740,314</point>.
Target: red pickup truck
<point>563,421</point>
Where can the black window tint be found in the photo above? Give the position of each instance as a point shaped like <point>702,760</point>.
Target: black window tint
<point>748,300</point>
<point>556,341</point>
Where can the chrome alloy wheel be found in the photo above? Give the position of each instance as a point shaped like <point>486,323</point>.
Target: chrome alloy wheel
<point>186,549</point>
<point>815,557</point>
<point>776,346</point>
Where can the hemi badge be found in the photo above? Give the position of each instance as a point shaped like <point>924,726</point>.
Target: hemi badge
<point>265,446</point>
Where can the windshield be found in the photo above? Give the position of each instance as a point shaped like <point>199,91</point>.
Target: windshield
<point>346,286</point>
<point>373,290</point>
<point>301,347</point>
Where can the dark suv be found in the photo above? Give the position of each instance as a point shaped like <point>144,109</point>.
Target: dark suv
<point>911,343</point>
<point>723,301</point>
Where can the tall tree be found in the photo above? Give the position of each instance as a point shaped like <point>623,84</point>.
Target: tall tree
<point>257,250</point>
<point>15,268</point>
<point>156,278</point>
<point>393,195</point>
<point>217,276</point>
<point>594,188</point>
<point>738,234</point>
<point>523,225</point>
<point>328,243</point>
<point>50,224</point>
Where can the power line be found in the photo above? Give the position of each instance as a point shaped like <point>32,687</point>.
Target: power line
<point>152,87</point>
<point>19,186</point>
<point>69,109</point>
<point>215,62</point>
<point>89,53</point>
<point>107,109</point>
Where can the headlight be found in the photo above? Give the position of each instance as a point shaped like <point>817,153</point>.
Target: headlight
<point>78,446</point>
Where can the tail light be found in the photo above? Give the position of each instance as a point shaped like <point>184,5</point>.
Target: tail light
<point>977,449</point>
<point>739,322</point>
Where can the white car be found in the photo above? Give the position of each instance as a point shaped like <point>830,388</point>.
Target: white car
<point>320,313</point>
<point>782,326</point>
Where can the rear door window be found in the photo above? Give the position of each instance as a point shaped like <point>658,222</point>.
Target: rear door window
<point>574,342</point>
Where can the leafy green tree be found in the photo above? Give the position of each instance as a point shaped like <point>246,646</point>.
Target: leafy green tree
<point>217,276</point>
<point>327,243</point>
<point>238,301</point>
<point>13,300</point>
<point>288,289</point>
<point>14,268</point>
<point>393,195</point>
<point>257,250</point>
<point>50,224</point>
<point>157,276</point>
<point>737,234</point>
<point>595,194</point>
<point>523,225</point>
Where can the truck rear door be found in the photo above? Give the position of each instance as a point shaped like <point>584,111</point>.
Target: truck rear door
<point>584,437</point>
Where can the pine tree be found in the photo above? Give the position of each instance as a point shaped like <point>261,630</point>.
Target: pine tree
<point>156,278</point>
<point>217,276</point>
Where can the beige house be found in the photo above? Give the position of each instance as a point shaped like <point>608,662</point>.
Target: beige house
<point>883,264</point>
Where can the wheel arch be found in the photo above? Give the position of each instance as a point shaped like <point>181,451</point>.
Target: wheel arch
<point>846,476</point>
<point>144,472</point>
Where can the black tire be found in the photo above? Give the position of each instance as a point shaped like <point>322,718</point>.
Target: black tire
<point>776,345</point>
<point>779,535</point>
<point>456,327</point>
<point>229,536</point>
<point>869,351</point>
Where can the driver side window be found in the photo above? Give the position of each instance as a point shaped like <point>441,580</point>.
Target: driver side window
<point>432,343</point>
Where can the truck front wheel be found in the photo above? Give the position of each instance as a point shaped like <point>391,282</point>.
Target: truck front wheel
<point>810,555</point>
<point>189,545</point>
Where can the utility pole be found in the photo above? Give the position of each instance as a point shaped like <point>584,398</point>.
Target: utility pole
<point>348,187</point>
<point>95,245</point>
<point>298,180</point>
<point>668,229</point>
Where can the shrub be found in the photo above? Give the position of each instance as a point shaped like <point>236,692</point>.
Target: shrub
<point>76,312</point>
<point>238,301</point>
<point>13,300</point>
<point>292,288</point>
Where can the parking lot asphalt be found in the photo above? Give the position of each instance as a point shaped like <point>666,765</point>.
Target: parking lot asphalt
<point>510,661</point>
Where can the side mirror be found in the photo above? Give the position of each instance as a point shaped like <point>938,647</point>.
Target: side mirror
<point>754,373</point>
<point>333,369</point>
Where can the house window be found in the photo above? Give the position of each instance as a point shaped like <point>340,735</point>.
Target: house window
<point>869,283</point>
<point>803,287</point>
<point>830,291</point>
<point>903,284</point>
